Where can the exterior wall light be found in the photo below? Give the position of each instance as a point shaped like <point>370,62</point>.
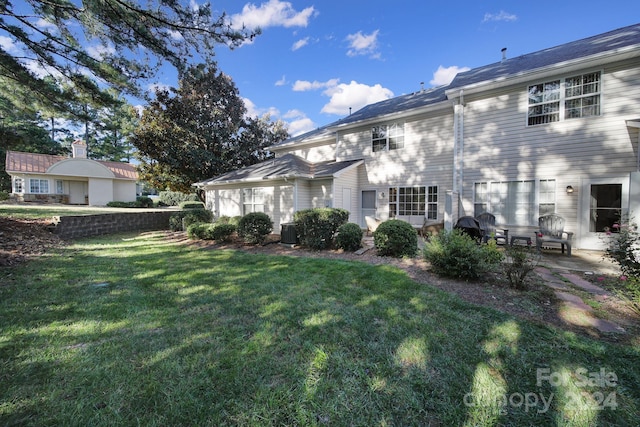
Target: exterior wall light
<point>569,189</point>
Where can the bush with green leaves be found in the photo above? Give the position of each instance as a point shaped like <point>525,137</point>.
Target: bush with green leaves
<point>520,261</point>
<point>349,237</point>
<point>174,198</point>
<point>396,238</point>
<point>191,205</point>
<point>316,227</point>
<point>208,231</point>
<point>623,246</point>
<point>224,219</point>
<point>455,254</point>
<point>4,195</point>
<point>255,227</point>
<point>179,221</point>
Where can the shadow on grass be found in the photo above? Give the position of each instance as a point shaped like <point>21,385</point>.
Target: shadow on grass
<point>122,330</point>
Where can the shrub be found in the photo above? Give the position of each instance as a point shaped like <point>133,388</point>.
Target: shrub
<point>144,202</point>
<point>255,227</point>
<point>191,205</point>
<point>520,262</point>
<point>455,254</point>
<point>179,221</point>
<point>623,246</point>
<point>174,198</point>
<point>115,204</point>
<point>208,231</point>
<point>4,195</point>
<point>349,237</point>
<point>316,227</point>
<point>396,238</point>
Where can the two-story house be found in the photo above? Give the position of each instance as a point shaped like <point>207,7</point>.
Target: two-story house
<point>551,131</point>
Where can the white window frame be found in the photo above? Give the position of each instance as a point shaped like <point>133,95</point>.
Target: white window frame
<point>59,186</point>
<point>38,186</point>
<point>252,200</point>
<point>407,201</point>
<point>550,101</point>
<point>512,204</point>
<point>387,137</point>
<point>18,185</point>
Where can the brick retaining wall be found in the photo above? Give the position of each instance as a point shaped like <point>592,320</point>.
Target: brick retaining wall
<point>71,227</point>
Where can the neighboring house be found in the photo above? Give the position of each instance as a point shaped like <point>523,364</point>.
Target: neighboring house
<point>77,180</point>
<point>551,131</point>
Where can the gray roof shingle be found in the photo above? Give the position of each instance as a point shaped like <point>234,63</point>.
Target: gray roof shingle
<point>289,165</point>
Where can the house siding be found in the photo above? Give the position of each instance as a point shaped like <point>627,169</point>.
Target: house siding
<point>316,153</point>
<point>499,146</point>
<point>348,182</point>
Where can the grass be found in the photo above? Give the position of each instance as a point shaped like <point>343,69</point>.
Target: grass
<point>36,211</point>
<point>131,330</point>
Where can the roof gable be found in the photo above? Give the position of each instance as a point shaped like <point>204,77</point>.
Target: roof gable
<point>20,162</point>
<point>287,166</point>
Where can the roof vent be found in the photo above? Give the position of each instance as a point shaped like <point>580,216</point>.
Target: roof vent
<point>504,53</point>
<point>421,86</point>
<point>79,149</point>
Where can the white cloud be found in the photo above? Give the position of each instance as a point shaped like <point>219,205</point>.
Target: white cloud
<point>274,13</point>
<point>353,95</point>
<point>363,44</point>
<point>298,122</point>
<point>100,51</point>
<point>443,76</point>
<point>7,44</point>
<point>254,111</point>
<point>300,43</point>
<point>46,25</point>
<point>282,81</point>
<point>304,85</point>
<point>501,16</point>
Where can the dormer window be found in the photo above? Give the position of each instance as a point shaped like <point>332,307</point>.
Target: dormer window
<point>562,99</point>
<point>387,137</point>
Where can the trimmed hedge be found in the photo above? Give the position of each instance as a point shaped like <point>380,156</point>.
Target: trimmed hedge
<point>316,227</point>
<point>255,227</point>
<point>181,220</point>
<point>174,198</point>
<point>207,231</point>
<point>141,202</point>
<point>191,205</point>
<point>349,237</point>
<point>396,238</point>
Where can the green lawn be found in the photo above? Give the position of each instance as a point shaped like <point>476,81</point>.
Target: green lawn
<point>37,211</point>
<point>130,330</point>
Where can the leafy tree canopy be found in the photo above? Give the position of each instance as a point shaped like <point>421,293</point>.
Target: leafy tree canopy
<point>200,130</point>
<point>65,53</point>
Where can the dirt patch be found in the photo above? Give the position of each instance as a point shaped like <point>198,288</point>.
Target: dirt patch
<point>21,239</point>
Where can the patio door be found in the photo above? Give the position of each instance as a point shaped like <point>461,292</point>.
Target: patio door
<point>603,203</point>
<point>368,205</point>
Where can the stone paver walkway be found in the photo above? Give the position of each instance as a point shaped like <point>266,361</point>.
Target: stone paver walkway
<point>573,309</point>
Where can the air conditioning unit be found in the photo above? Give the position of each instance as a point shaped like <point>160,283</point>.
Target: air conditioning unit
<point>288,233</point>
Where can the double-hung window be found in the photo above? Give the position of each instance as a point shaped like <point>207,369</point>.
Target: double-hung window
<point>39,186</point>
<point>387,137</point>
<point>516,202</point>
<point>252,200</point>
<point>563,99</point>
<point>18,185</point>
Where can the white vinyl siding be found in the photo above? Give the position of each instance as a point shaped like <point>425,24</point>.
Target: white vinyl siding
<point>515,202</point>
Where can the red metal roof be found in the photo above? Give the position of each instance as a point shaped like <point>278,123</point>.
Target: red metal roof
<point>19,162</point>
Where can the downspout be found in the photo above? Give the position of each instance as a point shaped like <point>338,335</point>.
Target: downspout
<point>459,143</point>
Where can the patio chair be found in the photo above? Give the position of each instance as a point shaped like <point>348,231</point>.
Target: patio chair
<point>551,230</point>
<point>372,223</point>
<point>490,231</point>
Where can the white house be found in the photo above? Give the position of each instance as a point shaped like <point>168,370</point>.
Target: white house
<point>551,131</point>
<point>70,180</point>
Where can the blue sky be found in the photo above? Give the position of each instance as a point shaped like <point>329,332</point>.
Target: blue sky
<point>316,59</point>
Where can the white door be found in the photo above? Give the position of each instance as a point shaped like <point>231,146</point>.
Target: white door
<point>602,204</point>
<point>368,205</point>
<point>78,191</point>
